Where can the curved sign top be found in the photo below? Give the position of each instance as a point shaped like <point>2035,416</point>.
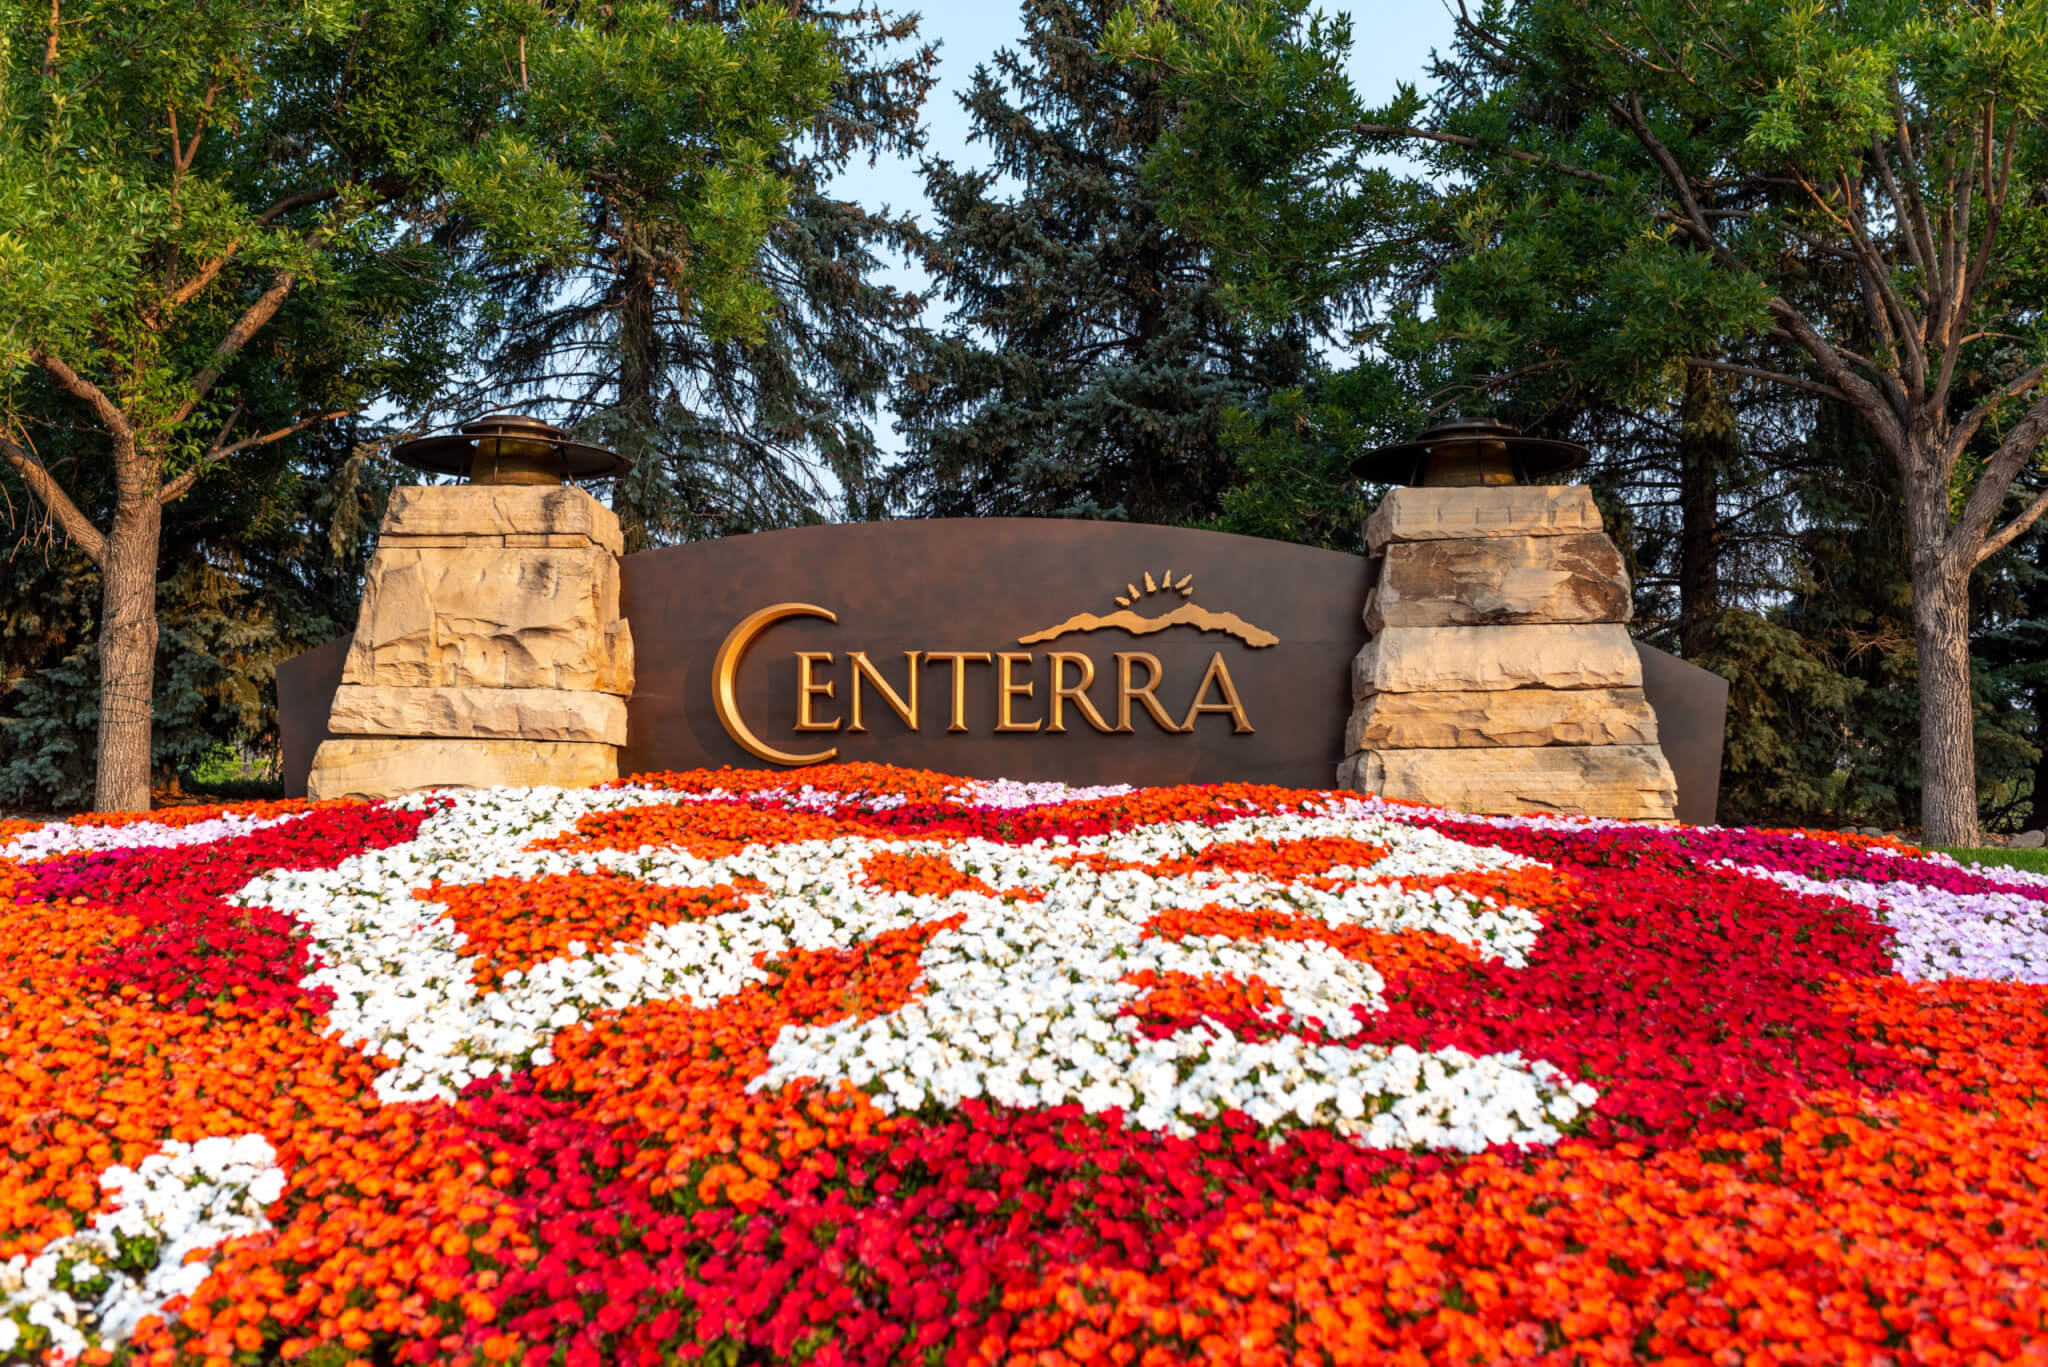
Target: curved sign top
<point>1092,652</point>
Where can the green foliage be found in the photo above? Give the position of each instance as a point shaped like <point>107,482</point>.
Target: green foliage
<point>760,413</point>
<point>1836,203</point>
<point>222,224</point>
<point>1261,158</point>
<point>1293,452</point>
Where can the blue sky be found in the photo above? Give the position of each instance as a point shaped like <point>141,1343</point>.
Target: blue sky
<point>1392,41</point>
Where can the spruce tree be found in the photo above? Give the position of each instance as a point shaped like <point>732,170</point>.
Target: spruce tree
<point>1089,359</point>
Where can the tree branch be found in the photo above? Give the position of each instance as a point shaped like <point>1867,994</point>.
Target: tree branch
<point>1995,190</point>
<point>1774,376</point>
<point>1884,308</point>
<point>132,479</point>
<point>44,487</point>
<point>1461,140</point>
<point>1915,221</point>
<point>207,273</point>
<point>1959,435</point>
<point>186,479</point>
<point>2012,455</point>
<point>1900,210</point>
<point>86,392</point>
<point>248,325</point>
<point>2012,530</point>
<point>1864,396</point>
<point>297,201</point>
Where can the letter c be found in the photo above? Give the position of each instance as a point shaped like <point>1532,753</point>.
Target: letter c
<point>725,672</point>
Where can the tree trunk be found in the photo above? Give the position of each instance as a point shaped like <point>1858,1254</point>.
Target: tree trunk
<point>1941,632</point>
<point>2037,610</point>
<point>639,364</point>
<point>127,656</point>
<point>1705,431</point>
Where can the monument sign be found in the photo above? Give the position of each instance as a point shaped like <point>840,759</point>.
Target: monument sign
<point>1477,659</point>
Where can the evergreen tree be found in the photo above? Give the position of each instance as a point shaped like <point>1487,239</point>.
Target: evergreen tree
<point>1090,359</point>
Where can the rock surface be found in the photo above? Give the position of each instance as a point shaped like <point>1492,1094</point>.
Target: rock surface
<point>1494,580</point>
<point>469,511</point>
<point>491,617</point>
<point>387,766</point>
<point>1630,782</point>
<point>489,649</point>
<point>1458,513</point>
<point>1461,659</point>
<point>553,714</point>
<point>1516,716</point>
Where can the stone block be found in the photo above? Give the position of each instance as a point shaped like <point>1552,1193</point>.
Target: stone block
<point>1503,510</point>
<point>1507,717</point>
<point>501,510</point>
<point>1492,580</point>
<point>563,541</point>
<point>1627,782</point>
<point>388,766</point>
<point>552,714</point>
<point>614,660</point>
<point>492,618</point>
<point>1461,659</point>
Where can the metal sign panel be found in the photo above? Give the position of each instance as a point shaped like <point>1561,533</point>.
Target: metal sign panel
<point>1093,652</point>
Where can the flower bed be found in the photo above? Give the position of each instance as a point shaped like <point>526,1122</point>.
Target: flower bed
<point>868,1065</point>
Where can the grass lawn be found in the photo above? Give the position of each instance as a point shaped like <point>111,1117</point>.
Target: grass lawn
<point>2033,861</point>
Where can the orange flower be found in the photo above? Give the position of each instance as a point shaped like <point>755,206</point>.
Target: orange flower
<point>515,923</point>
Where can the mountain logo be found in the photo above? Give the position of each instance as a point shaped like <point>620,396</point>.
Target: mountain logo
<point>1187,614</point>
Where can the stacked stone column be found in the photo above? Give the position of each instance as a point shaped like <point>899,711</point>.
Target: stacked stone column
<point>490,648</point>
<point>1499,676</point>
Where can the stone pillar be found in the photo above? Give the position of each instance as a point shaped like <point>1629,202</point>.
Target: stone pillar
<point>490,649</point>
<point>1499,677</point>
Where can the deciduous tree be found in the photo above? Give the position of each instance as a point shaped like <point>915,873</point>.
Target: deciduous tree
<point>178,182</point>
<point>1893,146</point>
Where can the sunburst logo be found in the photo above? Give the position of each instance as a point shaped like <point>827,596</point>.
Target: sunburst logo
<point>1129,618</point>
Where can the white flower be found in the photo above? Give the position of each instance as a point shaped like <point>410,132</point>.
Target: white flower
<point>175,1204</point>
<point>1025,1002</point>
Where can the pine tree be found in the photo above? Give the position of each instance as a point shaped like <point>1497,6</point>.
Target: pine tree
<point>1089,360</point>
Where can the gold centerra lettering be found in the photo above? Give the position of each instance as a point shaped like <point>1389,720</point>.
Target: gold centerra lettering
<point>1077,694</point>
<point>808,687</point>
<point>1219,675</point>
<point>725,668</point>
<point>1007,690</point>
<point>961,659</point>
<point>862,669</point>
<point>1148,695</point>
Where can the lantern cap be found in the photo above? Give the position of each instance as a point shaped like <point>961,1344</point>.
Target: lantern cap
<point>510,448</point>
<point>1471,451</point>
